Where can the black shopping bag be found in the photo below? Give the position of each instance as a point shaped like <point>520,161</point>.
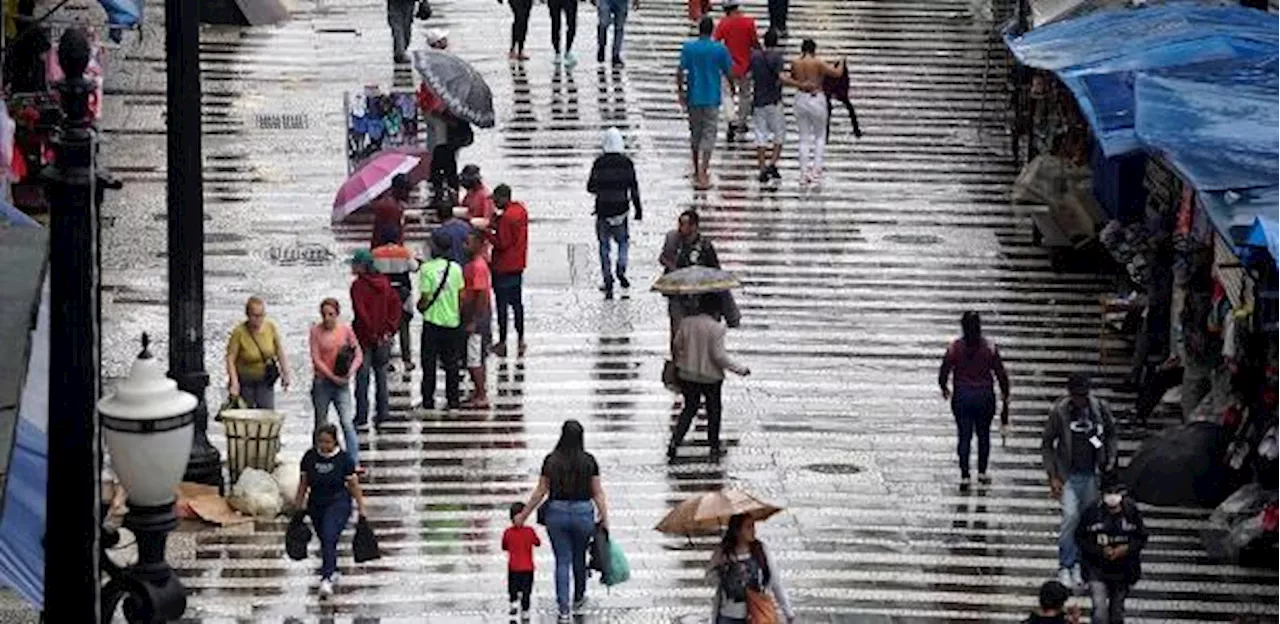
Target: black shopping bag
<point>297,537</point>
<point>364,546</point>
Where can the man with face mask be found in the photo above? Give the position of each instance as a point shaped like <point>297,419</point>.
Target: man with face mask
<point>1078,445</point>
<point>1111,536</point>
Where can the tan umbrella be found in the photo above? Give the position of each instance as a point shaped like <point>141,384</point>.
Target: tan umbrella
<point>708,512</point>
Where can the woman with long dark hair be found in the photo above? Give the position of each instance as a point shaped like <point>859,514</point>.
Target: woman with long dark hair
<point>974,361</point>
<point>326,490</point>
<point>570,484</point>
<point>740,565</point>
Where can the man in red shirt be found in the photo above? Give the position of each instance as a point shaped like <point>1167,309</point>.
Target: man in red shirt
<point>377,311</point>
<point>477,200</point>
<point>475,316</point>
<point>388,212</point>
<point>738,33</point>
<point>510,251</point>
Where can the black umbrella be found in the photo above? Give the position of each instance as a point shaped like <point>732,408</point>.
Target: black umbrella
<point>1179,466</point>
<point>458,84</point>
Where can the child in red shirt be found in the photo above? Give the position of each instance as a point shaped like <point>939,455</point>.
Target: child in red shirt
<point>518,540</point>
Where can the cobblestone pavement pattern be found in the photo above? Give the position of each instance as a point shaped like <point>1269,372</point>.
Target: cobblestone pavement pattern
<point>851,294</point>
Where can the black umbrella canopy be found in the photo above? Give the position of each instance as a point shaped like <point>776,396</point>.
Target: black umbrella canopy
<point>1179,466</point>
<point>458,84</point>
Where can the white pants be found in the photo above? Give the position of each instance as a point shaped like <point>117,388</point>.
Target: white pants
<point>811,121</point>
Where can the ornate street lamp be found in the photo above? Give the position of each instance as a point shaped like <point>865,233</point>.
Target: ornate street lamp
<point>147,425</point>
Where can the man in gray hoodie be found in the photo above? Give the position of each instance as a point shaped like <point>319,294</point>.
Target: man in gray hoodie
<point>1078,446</point>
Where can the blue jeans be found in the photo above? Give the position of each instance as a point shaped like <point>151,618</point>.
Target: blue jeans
<point>618,233</point>
<point>324,392</point>
<point>1079,493</point>
<point>507,290</point>
<point>376,358</point>
<point>570,525</point>
<point>329,521</point>
<point>615,12</point>
<point>973,409</point>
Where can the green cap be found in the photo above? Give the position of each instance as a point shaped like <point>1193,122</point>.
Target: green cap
<point>361,257</point>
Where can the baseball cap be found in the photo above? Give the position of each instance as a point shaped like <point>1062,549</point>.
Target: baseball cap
<point>361,257</point>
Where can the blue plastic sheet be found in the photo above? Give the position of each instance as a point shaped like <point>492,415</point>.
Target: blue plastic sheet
<point>1215,123</point>
<point>1265,234</point>
<point>1097,56</point>
<point>123,12</point>
<point>1236,213</point>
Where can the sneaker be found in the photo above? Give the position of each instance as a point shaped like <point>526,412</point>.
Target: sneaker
<point>733,133</point>
<point>558,59</point>
<point>1077,578</point>
<point>524,615</point>
<point>514,610</point>
<point>580,605</point>
<point>624,282</point>
<point>764,175</point>
<point>326,589</point>
<point>607,289</point>
<point>618,63</point>
<point>984,478</point>
<point>773,171</point>
<point>1064,577</point>
<point>522,348</point>
<point>564,618</point>
<point>570,59</point>
<point>964,484</point>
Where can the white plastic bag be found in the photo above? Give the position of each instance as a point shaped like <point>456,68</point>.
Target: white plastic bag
<point>287,475</point>
<point>256,494</point>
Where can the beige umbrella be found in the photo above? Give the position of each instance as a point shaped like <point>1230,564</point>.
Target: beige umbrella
<point>708,512</point>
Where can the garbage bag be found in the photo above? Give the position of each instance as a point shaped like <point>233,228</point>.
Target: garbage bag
<point>1238,522</point>
<point>617,569</point>
<point>256,494</point>
<point>297,537</point>
<point>364,546</point>
<point>287,475</point>
<point>1179,466</point>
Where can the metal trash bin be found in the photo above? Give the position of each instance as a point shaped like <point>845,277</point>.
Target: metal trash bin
<point>253,439</point>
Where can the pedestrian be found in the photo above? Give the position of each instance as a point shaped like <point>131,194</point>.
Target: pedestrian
<point>612,12</point>
<point>1111,537</point>
<point>510,255</point>
<point>974,361</point>
<point>1078,445</point>
<point>455,228</point>
<point>388,211</point>
<point>399,264</point>
<point>332,340</point>
<point>256,357</point>
<point>741,564</point>
<point>684,247</point>
<point>478,201</point>
<point>440,285</point>
<point>326,487</point>
<point>613,182</point>
<point>576,504</point>
<point>566,11</point>
<point>778,16</point>
<point>400,18</point>
<point>767,117</point>
<point>703,64</point>
<point>1053,606</point>
<point>737,31</point>
<point>701,361</point>
<point>476,312</point>
<point>811,109</point>
<point>376,309</point>
<point>519,541</point>
<point>520,10</point>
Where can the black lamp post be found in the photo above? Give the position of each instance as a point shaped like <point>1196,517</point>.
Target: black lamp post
<point>186,228</point>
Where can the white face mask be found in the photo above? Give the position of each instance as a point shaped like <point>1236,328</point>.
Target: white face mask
<point>1112,500</point>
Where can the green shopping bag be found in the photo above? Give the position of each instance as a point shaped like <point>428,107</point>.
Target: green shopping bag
<point>617,570</point>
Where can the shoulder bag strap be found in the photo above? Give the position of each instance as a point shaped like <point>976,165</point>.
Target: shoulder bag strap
<point>444,277</point>
<point>258,345</point>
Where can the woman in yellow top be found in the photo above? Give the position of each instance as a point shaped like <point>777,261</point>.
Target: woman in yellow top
<point>256,358</point>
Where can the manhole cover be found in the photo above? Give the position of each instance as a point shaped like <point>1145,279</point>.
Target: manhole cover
<point>914,239</point>
<point>834,468</point>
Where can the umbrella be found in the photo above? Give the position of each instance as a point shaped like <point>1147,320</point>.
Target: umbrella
<point>369,182</point>
<point>1178,466</point>
<point>455,81</point>
<point>708,512</point>
<point>419,173</point>
<point>695,280</point>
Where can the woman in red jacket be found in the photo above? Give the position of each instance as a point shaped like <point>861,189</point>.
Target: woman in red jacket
<point>974,361</point>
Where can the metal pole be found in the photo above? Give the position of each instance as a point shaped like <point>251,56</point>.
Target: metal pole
<point>72,582</point>
<point>186,227</point>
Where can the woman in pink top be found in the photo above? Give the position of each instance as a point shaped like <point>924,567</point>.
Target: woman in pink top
<point>328,337</point>
<point>974,362</point>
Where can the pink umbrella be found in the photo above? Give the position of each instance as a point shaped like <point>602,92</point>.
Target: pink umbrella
<point>369,182</point>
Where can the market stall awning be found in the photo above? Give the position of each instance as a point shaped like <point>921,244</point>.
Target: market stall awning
<point>1098,54</point>
<point>1044,12</point>
<point>1216,123</point>
<point>1265,234</point>
<point>1238,214</point>
<point>123,12</point>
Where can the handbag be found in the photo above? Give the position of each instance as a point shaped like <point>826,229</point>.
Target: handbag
<point>297,537</point>
<point>617,570</point>
<point>761,608</point>
<point>342,363</point>
<point>364,546</point>
<point>271,367</point>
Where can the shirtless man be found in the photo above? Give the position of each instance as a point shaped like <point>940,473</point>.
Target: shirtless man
<point>811,109</point>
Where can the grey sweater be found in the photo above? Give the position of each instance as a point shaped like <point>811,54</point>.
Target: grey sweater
<point>699,350</point>
<point>1055,444</point>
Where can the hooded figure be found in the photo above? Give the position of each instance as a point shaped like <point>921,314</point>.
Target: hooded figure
<point>613,182</point>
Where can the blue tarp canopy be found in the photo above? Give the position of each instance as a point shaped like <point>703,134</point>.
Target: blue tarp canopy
<point>1235,215</point>
<point>1097,55</point>
<point>123,12</point>
<point>1264,235</point>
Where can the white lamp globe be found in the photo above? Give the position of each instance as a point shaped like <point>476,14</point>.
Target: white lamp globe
<point>147,425</point>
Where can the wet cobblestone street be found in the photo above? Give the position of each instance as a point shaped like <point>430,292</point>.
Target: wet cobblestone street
<point>850,296</point>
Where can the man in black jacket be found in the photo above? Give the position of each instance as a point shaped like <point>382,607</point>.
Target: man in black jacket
<point>613,182</point>
<point>1111,536</point>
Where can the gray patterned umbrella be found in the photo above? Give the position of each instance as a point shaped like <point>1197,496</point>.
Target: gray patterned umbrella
<point>458,84</point>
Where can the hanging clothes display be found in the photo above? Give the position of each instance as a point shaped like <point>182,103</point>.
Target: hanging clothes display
<point>377,121</point>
